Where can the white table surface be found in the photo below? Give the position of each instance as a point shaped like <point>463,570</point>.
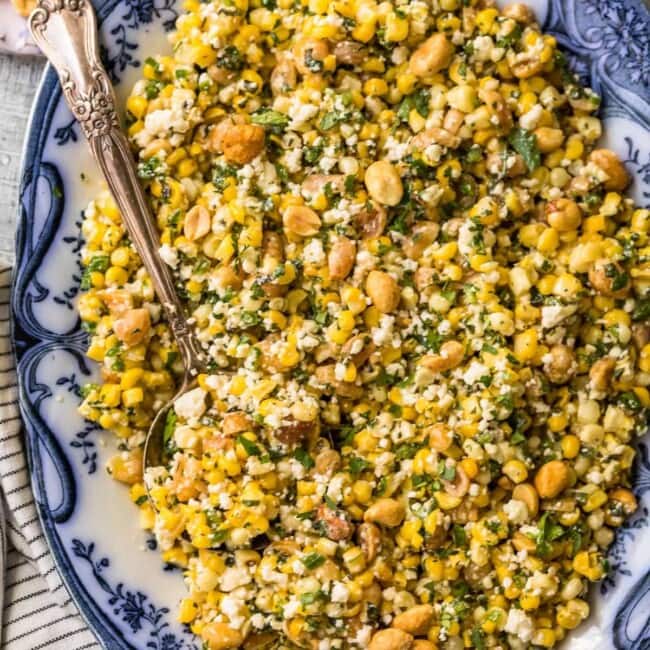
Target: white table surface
<point>19,78</point>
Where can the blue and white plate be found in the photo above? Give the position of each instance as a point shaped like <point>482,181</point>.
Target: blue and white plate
<point>111,569</point>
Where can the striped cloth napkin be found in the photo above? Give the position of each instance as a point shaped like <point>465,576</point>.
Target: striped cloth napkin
<point>37,610</point>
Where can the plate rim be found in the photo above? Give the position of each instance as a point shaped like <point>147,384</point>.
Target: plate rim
<point>46,100</point>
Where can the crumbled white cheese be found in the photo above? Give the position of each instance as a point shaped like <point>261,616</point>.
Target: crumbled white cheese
<point>191,404</point>
<point>553,315</point>
<point>340,593</point>
<point>519,624</point>
<point>516,510</point>
<point>530,119</point>
<point>168,255</point>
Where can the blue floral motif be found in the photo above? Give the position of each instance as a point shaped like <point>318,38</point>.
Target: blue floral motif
<point>66,296</point>
<point>87,446</point>
<point>642,172</point>
<point>66,133</point>
<point>133,607</point>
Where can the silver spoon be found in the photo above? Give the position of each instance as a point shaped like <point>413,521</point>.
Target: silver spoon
<point>66,32</point>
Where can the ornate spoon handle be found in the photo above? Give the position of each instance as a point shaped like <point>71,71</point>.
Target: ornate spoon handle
<point>66,32</point>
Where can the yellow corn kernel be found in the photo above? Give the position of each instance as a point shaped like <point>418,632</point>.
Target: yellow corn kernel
<point>362,491</point>
<point>188,610</point>
<point>570,446</point>
<point>546,284</point>
<point>345,320</point>
<point>375,88</point>
<point>109,395</point>
<point>186,168</point>
<point>131,377</point>
<point>446,501</point>
<point>525,345</point>
<point>574,148</point>
<point>406,83</point>
<point>587,565</point>
<point>548,241</point>
<point>557,422</point>
<point>529,602</point>
<point>485,19</point>
<point>137,105</point>
<point>364,31</point>
<point>515,470</point>
<point>595,500</point>
<point>397,28</point>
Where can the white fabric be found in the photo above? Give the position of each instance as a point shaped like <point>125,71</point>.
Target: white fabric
<point>38,611</point>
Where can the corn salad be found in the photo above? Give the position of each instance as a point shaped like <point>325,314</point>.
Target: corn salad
<point>424,299</point>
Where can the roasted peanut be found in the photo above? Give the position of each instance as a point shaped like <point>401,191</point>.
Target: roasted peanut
<point>301,220</point>
<point>349,52</point>
<point>521,13</point>
<point>432,56</point>
<point>309,55</point>
<point>415,620</point>
<point>235,422</point>
<point>336,527</point>
<point>283,77</point>
<point>451,354</point>
<point>552,479</point>
<point>440,437</point>
<point>562,364</point>
<point>383,290</point>
<point>617,177</point>
<point>459,486</point>
<point>328,461</point>
<point>609,278</point>
<point>371,221</point>
<point>118,301</point>
<point>315,184</point>
<point>340,259</point>
<point>369,538</point>
<point>384,183</point>
<point>387,512</point>
<point>424,234</point>
<point>523,543</point>
<point>133,326</point>
<point>226,277</point>
<point>493,99</point>
<point>220,636</point>
<point>525,65</point>
<point>453,120</point>
<point>434,135</point>
<point>197,223</point>
<point>391,639</point>
<point>242,143</point>
<point>602,372</point>
<point>526,493</point>
<point>126,466</point>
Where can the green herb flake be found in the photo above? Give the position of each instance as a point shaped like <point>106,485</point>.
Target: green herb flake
<point>525,144</point>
